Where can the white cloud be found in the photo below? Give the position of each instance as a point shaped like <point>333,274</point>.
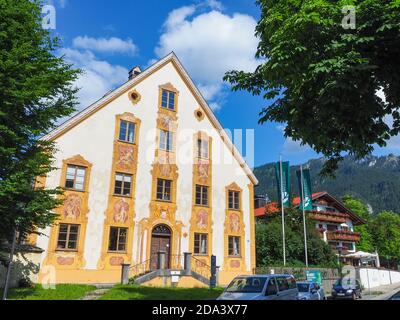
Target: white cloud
<point>209,44</point>
<point>290,146</point>
<point>98,78</point>
<point>110,45</point>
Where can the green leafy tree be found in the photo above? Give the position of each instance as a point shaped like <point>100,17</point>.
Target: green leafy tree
<point>269,242</point>
<point>36,90</point>
<point>386,235</point>
<point>366,242</point>
<point>322,79</point>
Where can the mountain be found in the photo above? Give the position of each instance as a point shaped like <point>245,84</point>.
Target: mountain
<point>374,180</point>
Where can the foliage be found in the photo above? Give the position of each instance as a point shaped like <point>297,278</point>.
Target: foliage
<point>374,181</point>
<point>269,244</point>
<point>134,292</point>
<point>322,79</point>
<point>386,234</point>
<point>61,292</point>
<point>36,91</point>
<point>366,242</point>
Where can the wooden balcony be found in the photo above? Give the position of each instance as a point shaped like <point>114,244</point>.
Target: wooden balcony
<point>325,216</point>
<point>341,235</point>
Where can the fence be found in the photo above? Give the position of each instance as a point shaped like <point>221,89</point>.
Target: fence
<point>375,277</point>
<point>329,275</point>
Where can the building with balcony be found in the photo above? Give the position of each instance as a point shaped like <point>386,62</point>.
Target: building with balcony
<point>334,222</point>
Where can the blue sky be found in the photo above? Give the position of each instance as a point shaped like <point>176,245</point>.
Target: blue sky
<point>107,38</point>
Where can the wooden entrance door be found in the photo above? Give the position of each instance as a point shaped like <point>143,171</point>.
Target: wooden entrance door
<point>160,241</point>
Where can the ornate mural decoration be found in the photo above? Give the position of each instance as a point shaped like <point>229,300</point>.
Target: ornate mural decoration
<point>73,210</point>
<point>234,223</point>
<point>120,209</point>
<point>234,226</point>
<point>125,158</point>
<point>199,114</point>
<point>201,219</point>
<point>163,167</point>
<point>72,206</point>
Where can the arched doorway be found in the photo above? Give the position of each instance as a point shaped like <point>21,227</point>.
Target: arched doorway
<point>161,236</point>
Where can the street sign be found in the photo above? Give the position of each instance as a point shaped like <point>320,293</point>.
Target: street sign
<point>314,276</point>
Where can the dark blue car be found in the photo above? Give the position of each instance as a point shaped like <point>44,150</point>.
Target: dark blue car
<point>346,288</point>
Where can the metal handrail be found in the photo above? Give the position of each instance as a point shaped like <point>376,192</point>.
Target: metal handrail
<point>140,268</point>
<point>201,267</point>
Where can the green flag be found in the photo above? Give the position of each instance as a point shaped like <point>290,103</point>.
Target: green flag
<point>306,189</point>
<point>285,193</point>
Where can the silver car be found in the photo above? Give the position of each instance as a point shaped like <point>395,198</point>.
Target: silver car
<point>310,291</point>
<point>261,287</point>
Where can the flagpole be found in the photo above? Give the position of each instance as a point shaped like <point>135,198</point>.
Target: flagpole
<point>283,213</point>
<point>304,215</point>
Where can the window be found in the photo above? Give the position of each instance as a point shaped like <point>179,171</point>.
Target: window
<point>123,184</point>
<point>117,240</point>
<point>233,246</point>
<point>282,284</point>
<point>291,282</point>
<point>68,237</point>
<point>200,243</point>
<point>168,100</point>
<point>234,200</point>
<point>201,195</point>
<point>202,148</point>
<point>127,131</point>
<point>75,178</point>
<point>164,189</point>
<point>166,142</point>
<point>271,288</point>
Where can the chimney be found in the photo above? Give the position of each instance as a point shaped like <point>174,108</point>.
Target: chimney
<point>134,72</point>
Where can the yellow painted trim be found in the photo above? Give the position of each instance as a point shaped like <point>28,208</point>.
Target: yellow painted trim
<point>252,228</point>
<point>235,227</point>
<point>197,221</point>
<point>64,259</point>
<point>120,211</point>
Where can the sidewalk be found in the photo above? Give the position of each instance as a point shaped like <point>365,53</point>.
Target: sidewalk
<point>381,292</point>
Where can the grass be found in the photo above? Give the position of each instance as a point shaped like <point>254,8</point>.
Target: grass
<point>134,292</point>
<point>61,292</point>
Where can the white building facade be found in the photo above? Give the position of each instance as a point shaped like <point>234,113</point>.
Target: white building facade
<point>145,169</point>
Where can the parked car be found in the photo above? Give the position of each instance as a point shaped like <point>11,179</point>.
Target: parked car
<point>261,287</point>
<point>346,288</point>
<point>310,291</point>
<point>396,296</point>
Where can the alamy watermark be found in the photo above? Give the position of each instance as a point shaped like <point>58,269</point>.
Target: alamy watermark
<point>349,18</point>
<point>48,17</point>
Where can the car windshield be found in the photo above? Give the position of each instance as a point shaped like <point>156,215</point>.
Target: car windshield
<point>248,284</point>
<point>343,281</point>
<point>303,287</point>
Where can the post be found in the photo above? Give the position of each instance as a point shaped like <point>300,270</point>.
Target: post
<point>213,277</point>
<point>10,263</point>
<point>125,273</point>
<point>187,262</point>
<point>304,215</point>
<point>161,260</point>
<point>283,213</point>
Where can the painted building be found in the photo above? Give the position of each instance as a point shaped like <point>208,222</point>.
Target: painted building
<point>148,168</point>
<point>334,222</point>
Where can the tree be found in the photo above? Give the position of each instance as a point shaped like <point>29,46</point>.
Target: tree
<point>36,90</point>
<point>269,242</point>
<point>360,209</point>
<point>323,79</point>
<point>386,234</point>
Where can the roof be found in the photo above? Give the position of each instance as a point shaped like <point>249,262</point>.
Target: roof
<point>273,207</point>
<point>105,100</point>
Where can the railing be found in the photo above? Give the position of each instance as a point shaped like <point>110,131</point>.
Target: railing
<point>140,268</point>
<point>343,235</point>
<point>200,267</point>
<point>337,217</point>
